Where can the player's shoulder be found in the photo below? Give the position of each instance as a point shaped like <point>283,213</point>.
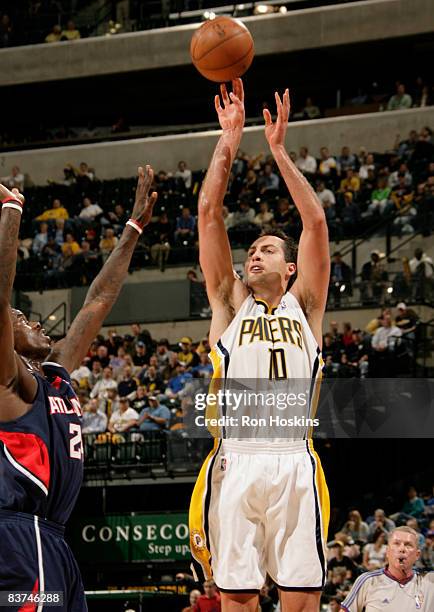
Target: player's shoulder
<point>53,370</point>
<point>363,581</point>
<point>427,577</point>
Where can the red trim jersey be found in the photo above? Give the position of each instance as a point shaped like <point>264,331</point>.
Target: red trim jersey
<point>41,453</point>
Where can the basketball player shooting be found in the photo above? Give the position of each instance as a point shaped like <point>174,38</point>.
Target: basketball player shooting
<point>260,506</point>
<point>41,450</point>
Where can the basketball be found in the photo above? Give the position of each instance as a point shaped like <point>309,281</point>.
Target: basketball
<point>222,49</point>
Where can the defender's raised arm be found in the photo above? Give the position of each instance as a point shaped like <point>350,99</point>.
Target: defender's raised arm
<point>225,292</point>
<point>313,261</point>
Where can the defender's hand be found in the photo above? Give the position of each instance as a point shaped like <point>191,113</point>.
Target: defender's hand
<point>144,203</point>
<point>231,115</point>
<point>275,132</point>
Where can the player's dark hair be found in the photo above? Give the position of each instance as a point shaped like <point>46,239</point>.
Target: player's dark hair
<point>290,247</point>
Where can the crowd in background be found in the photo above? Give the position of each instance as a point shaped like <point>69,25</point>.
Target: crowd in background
<point>359,546</point>
<point>81,218</point>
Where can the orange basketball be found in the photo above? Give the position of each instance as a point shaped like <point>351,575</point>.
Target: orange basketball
<point>222,49</point>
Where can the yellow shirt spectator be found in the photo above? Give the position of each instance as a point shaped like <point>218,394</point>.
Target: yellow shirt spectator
<point>351,182</point>
<point>70,247</point>
<point>55,35</point>
<point>56,212</point>
<point>70,32</point>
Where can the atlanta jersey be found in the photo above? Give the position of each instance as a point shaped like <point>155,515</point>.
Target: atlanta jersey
<point>41,470</point>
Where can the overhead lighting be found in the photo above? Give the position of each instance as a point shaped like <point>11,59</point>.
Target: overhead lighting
<point>342,289</point>
<point>52,317</point>
<point>389,289</point>
<point>263,9</point>
<point>283,9</point>
<point>209,15</point>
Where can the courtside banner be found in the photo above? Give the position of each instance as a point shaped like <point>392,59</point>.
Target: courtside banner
<point>131,538</point>
<point>294,409</point>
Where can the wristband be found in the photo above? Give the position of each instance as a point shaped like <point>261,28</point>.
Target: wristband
<point>9,204</point>
<point>135,225</point>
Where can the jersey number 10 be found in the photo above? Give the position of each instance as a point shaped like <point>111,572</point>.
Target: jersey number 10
<point>277,364</point>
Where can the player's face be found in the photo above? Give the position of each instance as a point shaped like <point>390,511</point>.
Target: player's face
<point>266,263</point>
<point>30,339</point>
<point>402,551</point>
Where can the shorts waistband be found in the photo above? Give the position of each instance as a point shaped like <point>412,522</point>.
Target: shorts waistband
<point>267,447</point>
<point>43,524</point>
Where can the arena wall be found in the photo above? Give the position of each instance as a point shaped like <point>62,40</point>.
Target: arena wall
<point>120,158</point>
<point>295,30</point>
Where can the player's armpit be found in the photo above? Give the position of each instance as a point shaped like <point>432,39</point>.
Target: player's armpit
<point>11,406</point>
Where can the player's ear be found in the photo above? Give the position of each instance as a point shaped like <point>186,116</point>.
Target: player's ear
<point>291,268</point>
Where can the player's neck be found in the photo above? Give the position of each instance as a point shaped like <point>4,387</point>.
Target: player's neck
<point>32,364</point>
<point>271,296</point>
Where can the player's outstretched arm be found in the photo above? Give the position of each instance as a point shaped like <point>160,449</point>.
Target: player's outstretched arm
<point>12,373</point>
<point>106,287</point>
<point>313,262</point>
<point>225,292</point>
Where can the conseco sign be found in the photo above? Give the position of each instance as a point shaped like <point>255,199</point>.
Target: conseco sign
<point>132,538</point>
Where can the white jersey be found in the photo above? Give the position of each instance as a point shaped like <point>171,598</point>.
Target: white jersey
<point>378,590</point>
<point>273,353</point>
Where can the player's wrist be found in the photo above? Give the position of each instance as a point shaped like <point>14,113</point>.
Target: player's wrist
<point>136,224</point>
<point>12,202</point>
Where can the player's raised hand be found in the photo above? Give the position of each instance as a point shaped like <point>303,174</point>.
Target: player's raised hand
<point>231,112</point>
<point>275,132</point>
<point>10,194</point>
<point>144,203</point>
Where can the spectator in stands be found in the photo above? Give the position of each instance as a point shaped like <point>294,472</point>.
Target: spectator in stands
<point>94,420</point>
<point>338,584</point>
<point>151,379</point>
<point>339,560</point>
<point>104,384</point>
<point>154,418</point>
<point>210,601</point>
<point>335,604</point>
<point>124,418</point>
<point>183,174</point>
<point>178,381</point>
<point>140,355</point>
<point>140,400</point>
<point>328,166</point>
<point>394,176</point>
<point>413,523</point>
<point>282,217</point>
<point>127,386</point>
<point>55,34</point>
<point>426,559</point>
<point>163,353</point>
<point>81,374</point>
<point>96,373</point>
<point>193,596</point>
<point>70,248</point>
<point>70,32</point>
<point>400,100</point>
<point>401,194</point>
<point>306,163</point>
<point>374,277</point>
<point>108,243</point>
<point>324,194</point>
<point>266,603</point>
<point>268,181</point>
<point>14,180</point>
<point>422,271</point>
<point>204,369</point>
<point>265,217</point>
<point>346,160</point>
<point>351,182</point>
<point>185,226</point>
<point>374,554</point>
<point>367,165</point>
<point>250,183</point>
<point>310,110</point>
<point>6,31</point>
<point>90,211</point>
<point>355,527</point>
<point>407,320</point>
<point>349,215</point>
<point>118,218</point>
<point>245,216</point>
<point>385,337</point>
<point>186,356</point>
<point>41,239</point>
<point>340,278</point>
<point>380,522</point>
<point>118,363</point>
<point>414,507</point>
<point>57,211</point>
<point>358,352</point>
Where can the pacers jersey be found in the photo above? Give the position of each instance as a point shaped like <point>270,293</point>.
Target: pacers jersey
<point>272,352</point>
<point>41,452</point>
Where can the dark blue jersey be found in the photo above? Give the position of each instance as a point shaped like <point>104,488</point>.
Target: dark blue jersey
<point>41,453</point>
